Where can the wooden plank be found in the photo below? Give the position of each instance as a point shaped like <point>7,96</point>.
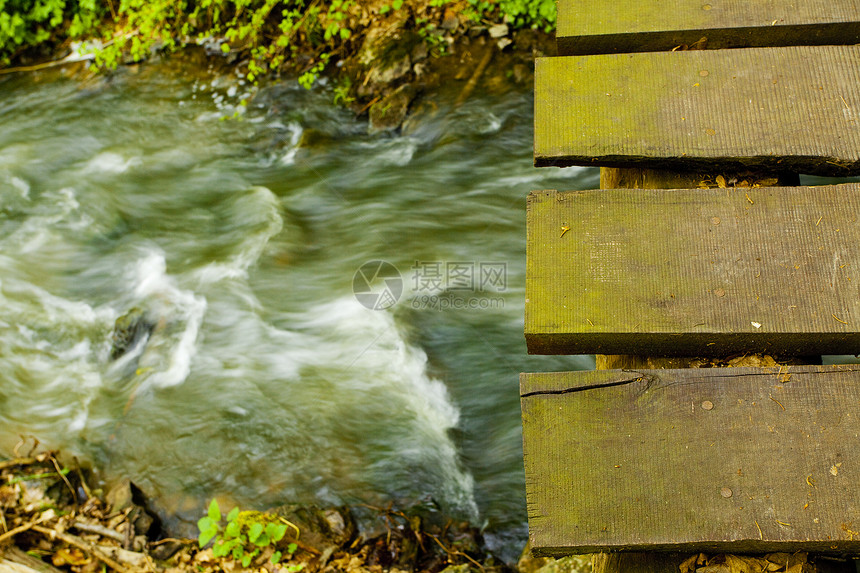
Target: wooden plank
<point>600,27</point>
<point>790,109</point>
<point>671,563</point>
<point>639,178</point>
<point>694,272</point>
<point>722,459</point>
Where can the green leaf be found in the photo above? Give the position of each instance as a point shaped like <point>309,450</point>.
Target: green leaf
<point>238,552</point>
<point>385,8</point>
<point>206,536</point>
<point>291,548</point>
<point>205,524</point>
<point>255,531</point>
<point>232,530</point>
<point>225,47</point>
<point>262,540</point>
<point>246,561</point>
<point>276,556</point>
<point>276,530</point>
<point>214,511</point>
<point>345,33</point>
<point>220,549</point>
<point>234,513</point>
<point>397,4</point>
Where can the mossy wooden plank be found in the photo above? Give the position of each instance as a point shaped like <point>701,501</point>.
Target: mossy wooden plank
<point>600,27</point>
<point>721,459</point>
<point>788,109</point>
<point>694,272</point>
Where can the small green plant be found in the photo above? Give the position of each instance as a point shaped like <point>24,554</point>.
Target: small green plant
<point>24,23</point>
<point>396,5</point>
<point>341,92</point>
<point>245,535</point>
<point>307,79</point>
<point>338,12</point>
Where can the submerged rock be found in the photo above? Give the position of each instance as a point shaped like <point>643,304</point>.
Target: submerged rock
<point>389,113</point>
<point>129,329</point>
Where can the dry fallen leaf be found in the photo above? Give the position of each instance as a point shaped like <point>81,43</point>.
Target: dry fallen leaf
<point>69,556</point>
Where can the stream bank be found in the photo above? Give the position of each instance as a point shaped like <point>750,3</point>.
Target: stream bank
<point>54,521</point>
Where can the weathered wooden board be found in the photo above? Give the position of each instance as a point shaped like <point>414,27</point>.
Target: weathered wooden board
<point>791,109</point>
<point>694,272</point>
<point>722,459</point>
<point>601,27</point>
<point>653,562</point>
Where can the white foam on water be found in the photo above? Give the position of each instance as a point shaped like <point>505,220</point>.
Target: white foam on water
<point>379,370</point>
<point>177,314</point>
<point>48,365</point>
<point>260,209</point>
<point>295,130</point>
<point>494,124</point>
<point>108,162</point>
<point>397,151</point>
<point>21,186</point>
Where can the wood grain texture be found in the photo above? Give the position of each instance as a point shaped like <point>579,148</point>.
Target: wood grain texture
<point>696,272</point>
<point>723,459</point>
<point>638,562</point>
<point>780,109</point>
<point>600,27</point>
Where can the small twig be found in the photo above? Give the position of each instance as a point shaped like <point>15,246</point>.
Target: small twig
<point>473,81</point>
<point>173,540</point>
<point>21,528</point>
<point>838,319</point>
<point>368,106</point>
<point>99,529</point>
<point>291,524</point>
<point>82,545</point>
<point>65,479</point>
<point>305,547</point>
<point>760,534</point>
<point>455,552</point>
<point>17,462</point>
<point>83,481</point>
<point>778,402</point>
<point>36,67</point>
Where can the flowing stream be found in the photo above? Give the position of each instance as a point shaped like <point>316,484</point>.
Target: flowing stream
<point>233,233</point>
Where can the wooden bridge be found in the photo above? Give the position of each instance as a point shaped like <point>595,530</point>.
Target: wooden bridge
<point>699,250</point>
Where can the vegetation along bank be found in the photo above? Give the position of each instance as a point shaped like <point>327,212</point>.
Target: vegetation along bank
<point>380,55</point>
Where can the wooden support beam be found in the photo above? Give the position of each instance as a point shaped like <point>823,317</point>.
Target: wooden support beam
<point>793,109</point>
<point>601,27</point>
<point>694,272</point>
<point>722,459</point>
